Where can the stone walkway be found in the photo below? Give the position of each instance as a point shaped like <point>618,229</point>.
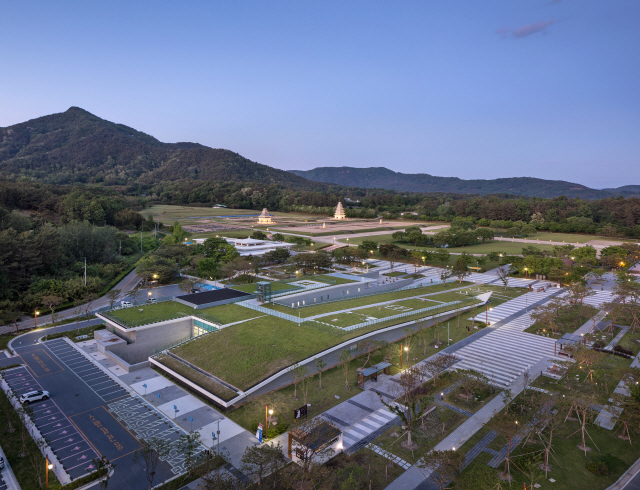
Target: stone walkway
<point>391,457</point>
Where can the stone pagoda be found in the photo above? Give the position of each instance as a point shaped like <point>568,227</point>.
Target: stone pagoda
<point>340,214</point>
<point>264,218</point>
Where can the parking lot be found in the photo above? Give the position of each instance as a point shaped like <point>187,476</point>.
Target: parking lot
<point>89,415</point>
<point>70,447</point>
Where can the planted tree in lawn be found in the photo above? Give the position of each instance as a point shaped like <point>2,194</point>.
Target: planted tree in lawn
<point>441,467</point>
<point>298,373</point>
<point>368,346</point>
<point>412,406</point>
<point>112,297</point>
<point>345,359</point>
<point>135,294</point>
<point>505,424</point>
<point>471,381</point>
<point>35,458</point>
<point>259,461</point>
<point>305,382</point>
<point>437,365</point>
<point>148,457</point>
<point>320,365</point>
<point>88,302</point>
<point>582,404</point>
<point>460,270</point>
<point>52,302</point>
<point>11,316</point>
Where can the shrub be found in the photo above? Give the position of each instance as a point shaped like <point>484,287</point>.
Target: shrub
<point>598,468</point>
<point>619,348</point>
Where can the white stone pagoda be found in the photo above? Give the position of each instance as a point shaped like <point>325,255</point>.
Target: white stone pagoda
<point>340,214</point>
<point>264,218</point>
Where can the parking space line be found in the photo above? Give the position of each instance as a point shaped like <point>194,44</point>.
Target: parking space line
<point>75,454</point>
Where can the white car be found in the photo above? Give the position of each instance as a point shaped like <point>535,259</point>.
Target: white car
<point>153,300</point>
<point>34,396</point>
<point>1,463</point>
<point>126,304</point>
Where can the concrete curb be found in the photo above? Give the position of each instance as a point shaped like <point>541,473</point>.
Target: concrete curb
<point>8,475</point>
<point>626,477</point>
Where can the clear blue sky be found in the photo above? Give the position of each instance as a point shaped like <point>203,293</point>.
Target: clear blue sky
<point>473,89</point>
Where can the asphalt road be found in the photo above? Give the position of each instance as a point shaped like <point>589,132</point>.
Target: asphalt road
<point>79,420</point>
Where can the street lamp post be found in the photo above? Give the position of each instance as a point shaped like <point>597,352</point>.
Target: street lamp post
<point>36,318</point>
<point>526,272</point>
<point>401,357</point>
<point>406,349</point>
<point>48,466</point>
<point>266,420</point>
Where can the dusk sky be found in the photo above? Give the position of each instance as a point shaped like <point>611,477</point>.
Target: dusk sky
<point>471,89</point>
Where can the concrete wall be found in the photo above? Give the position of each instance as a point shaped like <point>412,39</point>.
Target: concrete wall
<point>145,341</point>
<point>342,291</point>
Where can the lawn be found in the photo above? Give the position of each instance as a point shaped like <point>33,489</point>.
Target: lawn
<point>569,320</point>
<point>246,353</point>
<point>167,310</point>
<point>607,372</point>
<point>140,315</point>
<point>511,248</point>
<point>359,316</point>
<point>366,300</point>
<point>569,463</point>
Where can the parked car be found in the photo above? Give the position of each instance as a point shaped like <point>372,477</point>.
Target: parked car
<point>34,396</point>
<point>153,300</point>
<point>1,463</point>
<point>126,304</point>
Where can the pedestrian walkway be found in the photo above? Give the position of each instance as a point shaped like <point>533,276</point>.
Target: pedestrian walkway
<point>506,352</point>
<point>157,393</point>
<point>391,457</point>
<point>414,477</point>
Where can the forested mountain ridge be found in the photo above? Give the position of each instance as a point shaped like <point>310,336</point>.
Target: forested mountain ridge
<point>77,147</point>
<point>381,177</point>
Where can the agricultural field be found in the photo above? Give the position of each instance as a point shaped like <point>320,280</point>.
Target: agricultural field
<point>511,248</point>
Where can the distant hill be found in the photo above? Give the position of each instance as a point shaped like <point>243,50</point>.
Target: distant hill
<point>381,177</point>
<point>77,147</point>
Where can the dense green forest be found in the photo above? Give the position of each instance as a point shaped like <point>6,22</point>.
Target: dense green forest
<point>46,233</point>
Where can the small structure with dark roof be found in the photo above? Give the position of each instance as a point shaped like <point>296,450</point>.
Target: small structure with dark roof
<point>216,297</point>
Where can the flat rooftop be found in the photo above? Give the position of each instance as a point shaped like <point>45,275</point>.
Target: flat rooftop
<point>211,296</point>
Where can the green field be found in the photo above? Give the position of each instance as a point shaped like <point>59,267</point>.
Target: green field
<point>366,300</point>
<point>246,353</point>
<point>511,248</point>
<point>170,309</point>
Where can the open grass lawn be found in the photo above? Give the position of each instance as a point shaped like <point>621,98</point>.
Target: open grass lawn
<point>229,313</point>
<point>158,312</point>
<point>607,372</point>
<point>511,248</point>
<point>394,274</point>
<point>169,309</point>
<point>571,237</point>
<point>358,316</point>
<point>569,320</point>
<point>631,341</point>
<point>569,466</point>
<point>366,300</point>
